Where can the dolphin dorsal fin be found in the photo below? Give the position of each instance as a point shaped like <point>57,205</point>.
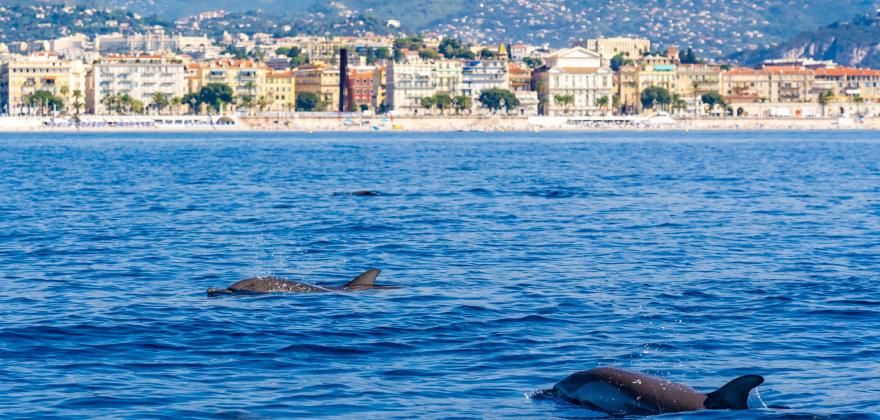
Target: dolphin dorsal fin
<point>734,395</point>
<point>368,278</point>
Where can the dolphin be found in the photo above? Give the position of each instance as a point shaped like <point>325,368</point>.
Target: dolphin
<point>360,193</point>
<point>366,193</point>
<point>621,392</point>
<point>256,285</point>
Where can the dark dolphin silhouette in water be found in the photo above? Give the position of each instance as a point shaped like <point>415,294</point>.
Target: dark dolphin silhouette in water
<point>622,392</point>
<point>360,193</point>
<point>365,281</point>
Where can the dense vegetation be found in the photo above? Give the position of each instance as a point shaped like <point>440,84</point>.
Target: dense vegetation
<point>309,102</point>
<point>495,99</point>
<point>215,96</point>
<point>713,28</point>
<point>27,23</point>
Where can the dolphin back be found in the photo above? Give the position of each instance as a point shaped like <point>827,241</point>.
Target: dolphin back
<point>734,395</point>
<point>365,280</point>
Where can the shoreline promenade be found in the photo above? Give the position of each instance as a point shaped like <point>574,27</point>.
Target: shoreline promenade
<point>344,123</point>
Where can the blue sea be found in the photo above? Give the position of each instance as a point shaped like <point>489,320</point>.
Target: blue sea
<point>520,258</point>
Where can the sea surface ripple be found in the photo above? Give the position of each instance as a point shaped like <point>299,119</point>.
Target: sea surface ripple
<point>521,258</point>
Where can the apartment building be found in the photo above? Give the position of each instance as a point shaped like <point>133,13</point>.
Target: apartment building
<point>846,83</point>
<point>280,92</point>
<point>359,88</point>
<point>24,76</point>
<point>479,75</point>
<point>626,87</point>
<point>694,80</point>
<point>520,77</point>
<point>156,41</point>
<point>322,80</point>
<point>412,79</point>
<point>139,76</point>
<point>769,84</point>
<point>247,78</point>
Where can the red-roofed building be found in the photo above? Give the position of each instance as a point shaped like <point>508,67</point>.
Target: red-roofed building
<point>843,82</point>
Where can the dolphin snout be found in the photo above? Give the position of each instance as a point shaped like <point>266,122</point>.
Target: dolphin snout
<point>215,292</point>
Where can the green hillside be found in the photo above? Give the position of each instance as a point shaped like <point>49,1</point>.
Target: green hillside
<point>713,28</point>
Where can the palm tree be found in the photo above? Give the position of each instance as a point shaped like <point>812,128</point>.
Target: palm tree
<point>125,103</point>
<point>27,99</point>
<point>824,98</point>
<point>858,100</point>
<point>175,104</point>
<point>265,101</point>
<point>565,101</point>
<point>602,102</point>
<point>77,103</point>
<point>160,101</point>
<point>247,102</point>
<point>137,106</point>
<point>251,88</point>
<point>109,101</point>
<point>678,103</point>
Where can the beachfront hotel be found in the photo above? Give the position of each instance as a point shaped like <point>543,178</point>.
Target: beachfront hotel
<point>415,78</point>
<point>141,77</point>
<point>24,76</point>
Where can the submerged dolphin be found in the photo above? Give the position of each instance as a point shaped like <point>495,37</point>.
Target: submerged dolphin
<point>367,280</point>
<point>621,392</point>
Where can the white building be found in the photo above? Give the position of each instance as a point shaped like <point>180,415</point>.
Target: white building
<point>111,43</point>
<point>572,81</point>
<point>71,43</point>
<point>156,41</point>
<point>140,77</point>
<point>631,48</point>
<point>413,79</point>
<point>479,75</point>
<point>519,51</point>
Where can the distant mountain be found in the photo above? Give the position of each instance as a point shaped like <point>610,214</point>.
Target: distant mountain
<point>853,43</point>
<point>714,28</point>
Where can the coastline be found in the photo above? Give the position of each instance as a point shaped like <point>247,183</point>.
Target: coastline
<point>348,123</point>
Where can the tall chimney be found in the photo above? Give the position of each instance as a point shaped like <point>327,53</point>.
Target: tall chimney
<point>343,77</point>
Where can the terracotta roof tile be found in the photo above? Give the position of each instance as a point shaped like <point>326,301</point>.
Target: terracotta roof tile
<point>848,72</point>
